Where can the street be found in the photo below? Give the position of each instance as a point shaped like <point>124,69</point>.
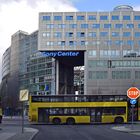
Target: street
<point>11,130</point>
<point>81,132</point>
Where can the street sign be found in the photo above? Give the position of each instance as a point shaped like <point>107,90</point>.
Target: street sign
<point>133,101</point>
<point>24,95</point>
<point>133,93</point>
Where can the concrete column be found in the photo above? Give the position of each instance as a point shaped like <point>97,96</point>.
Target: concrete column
<point>57,77</point>
<point>65,79</point>
<point>85,72</point>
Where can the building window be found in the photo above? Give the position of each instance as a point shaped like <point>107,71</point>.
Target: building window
<point>130,26</point>
<point>71,43</point>
<point>103,34</point>
<point>121,74</point>
<point>82,43</point>
<point>73,26</point>
<point>125,63</point>
<point>126,34</point>
<point>103,17</point>
<point>115,34</point>
<point>69,34</point>
<point>61,43</point>
<point>92,53</point>
<point>57,17</point>
<point>138,25</point>
<point>80,34</point>
<point>95,25</point>
<point>46,17</point>
<point>80,17</point>
<point>109,42</point>
<point>49,43</point>
<point>46,34</point>
<point>139,42</point>
<point>50,26</point>
<point>98,75</point>
<point>69,17</point>
<point>58,34</point>
<point>130,43</point>
<point>61,26</point>
<point>107,25</point>
<point>92,34</point>
<point>118,25</point>
<point>137,74</point>
<point>118,42</point>
<point>126,17</point>
<point>137,17</point>
<point>84,25</point>
<point>98,63</point>
<point>109,53</point>
<point>137,34</point>
<point>91,17</point>
<point>115,17</point>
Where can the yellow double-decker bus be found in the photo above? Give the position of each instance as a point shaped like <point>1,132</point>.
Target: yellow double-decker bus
<point>73,109</point>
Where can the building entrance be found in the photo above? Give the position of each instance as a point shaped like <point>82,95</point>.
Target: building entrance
<point>65,72</point>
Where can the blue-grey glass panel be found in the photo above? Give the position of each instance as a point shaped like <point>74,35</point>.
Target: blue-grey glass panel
<point>126,17</point>
<point>107,25</point>
<point>137,34</point>
<point>69,17</point>
<point>73,25</point>
<point>91,17</point>
<point>46,17</point>
<point>130,26</point>
<point>80,17</point>
<point>126,34</point>
<point>95,25</point>
<point>84,25</point>
<point>57,17</point>
<point>137,17</point>
<point>103,17</point>
<point>118,25</point>
<point>115,17</point>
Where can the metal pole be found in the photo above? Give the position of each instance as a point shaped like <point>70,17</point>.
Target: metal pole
<point>132,125</point>
<point>22,117</point>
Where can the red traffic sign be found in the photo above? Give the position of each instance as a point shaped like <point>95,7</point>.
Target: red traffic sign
<point>133,93</point>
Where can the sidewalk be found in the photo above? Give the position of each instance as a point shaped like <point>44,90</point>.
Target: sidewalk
<point>128,128</point>
<point>15,134</point>
<point>28,134</point>
<point>10,131</point>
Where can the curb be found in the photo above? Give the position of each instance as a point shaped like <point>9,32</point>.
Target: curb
<point>34,134</point>
<point>126,130</point>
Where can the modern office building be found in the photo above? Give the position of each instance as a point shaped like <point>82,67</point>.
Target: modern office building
<point>24,67</point>
<point>107,44</point>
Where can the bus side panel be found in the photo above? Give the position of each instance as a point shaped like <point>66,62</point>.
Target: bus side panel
<point>111,118</point>
<point>107,118</point>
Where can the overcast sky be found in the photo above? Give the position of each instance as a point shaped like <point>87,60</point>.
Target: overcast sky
<point>23,14</point>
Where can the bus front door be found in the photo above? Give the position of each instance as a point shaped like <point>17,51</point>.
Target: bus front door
<point>95,115</point>
<point>43,115</point>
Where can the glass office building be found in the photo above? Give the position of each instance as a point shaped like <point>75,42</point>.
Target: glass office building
<point>107,44</point>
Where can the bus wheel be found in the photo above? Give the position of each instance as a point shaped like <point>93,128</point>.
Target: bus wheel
<point>119,120</point>
<point>56,121</point>
<point>70,121</point>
